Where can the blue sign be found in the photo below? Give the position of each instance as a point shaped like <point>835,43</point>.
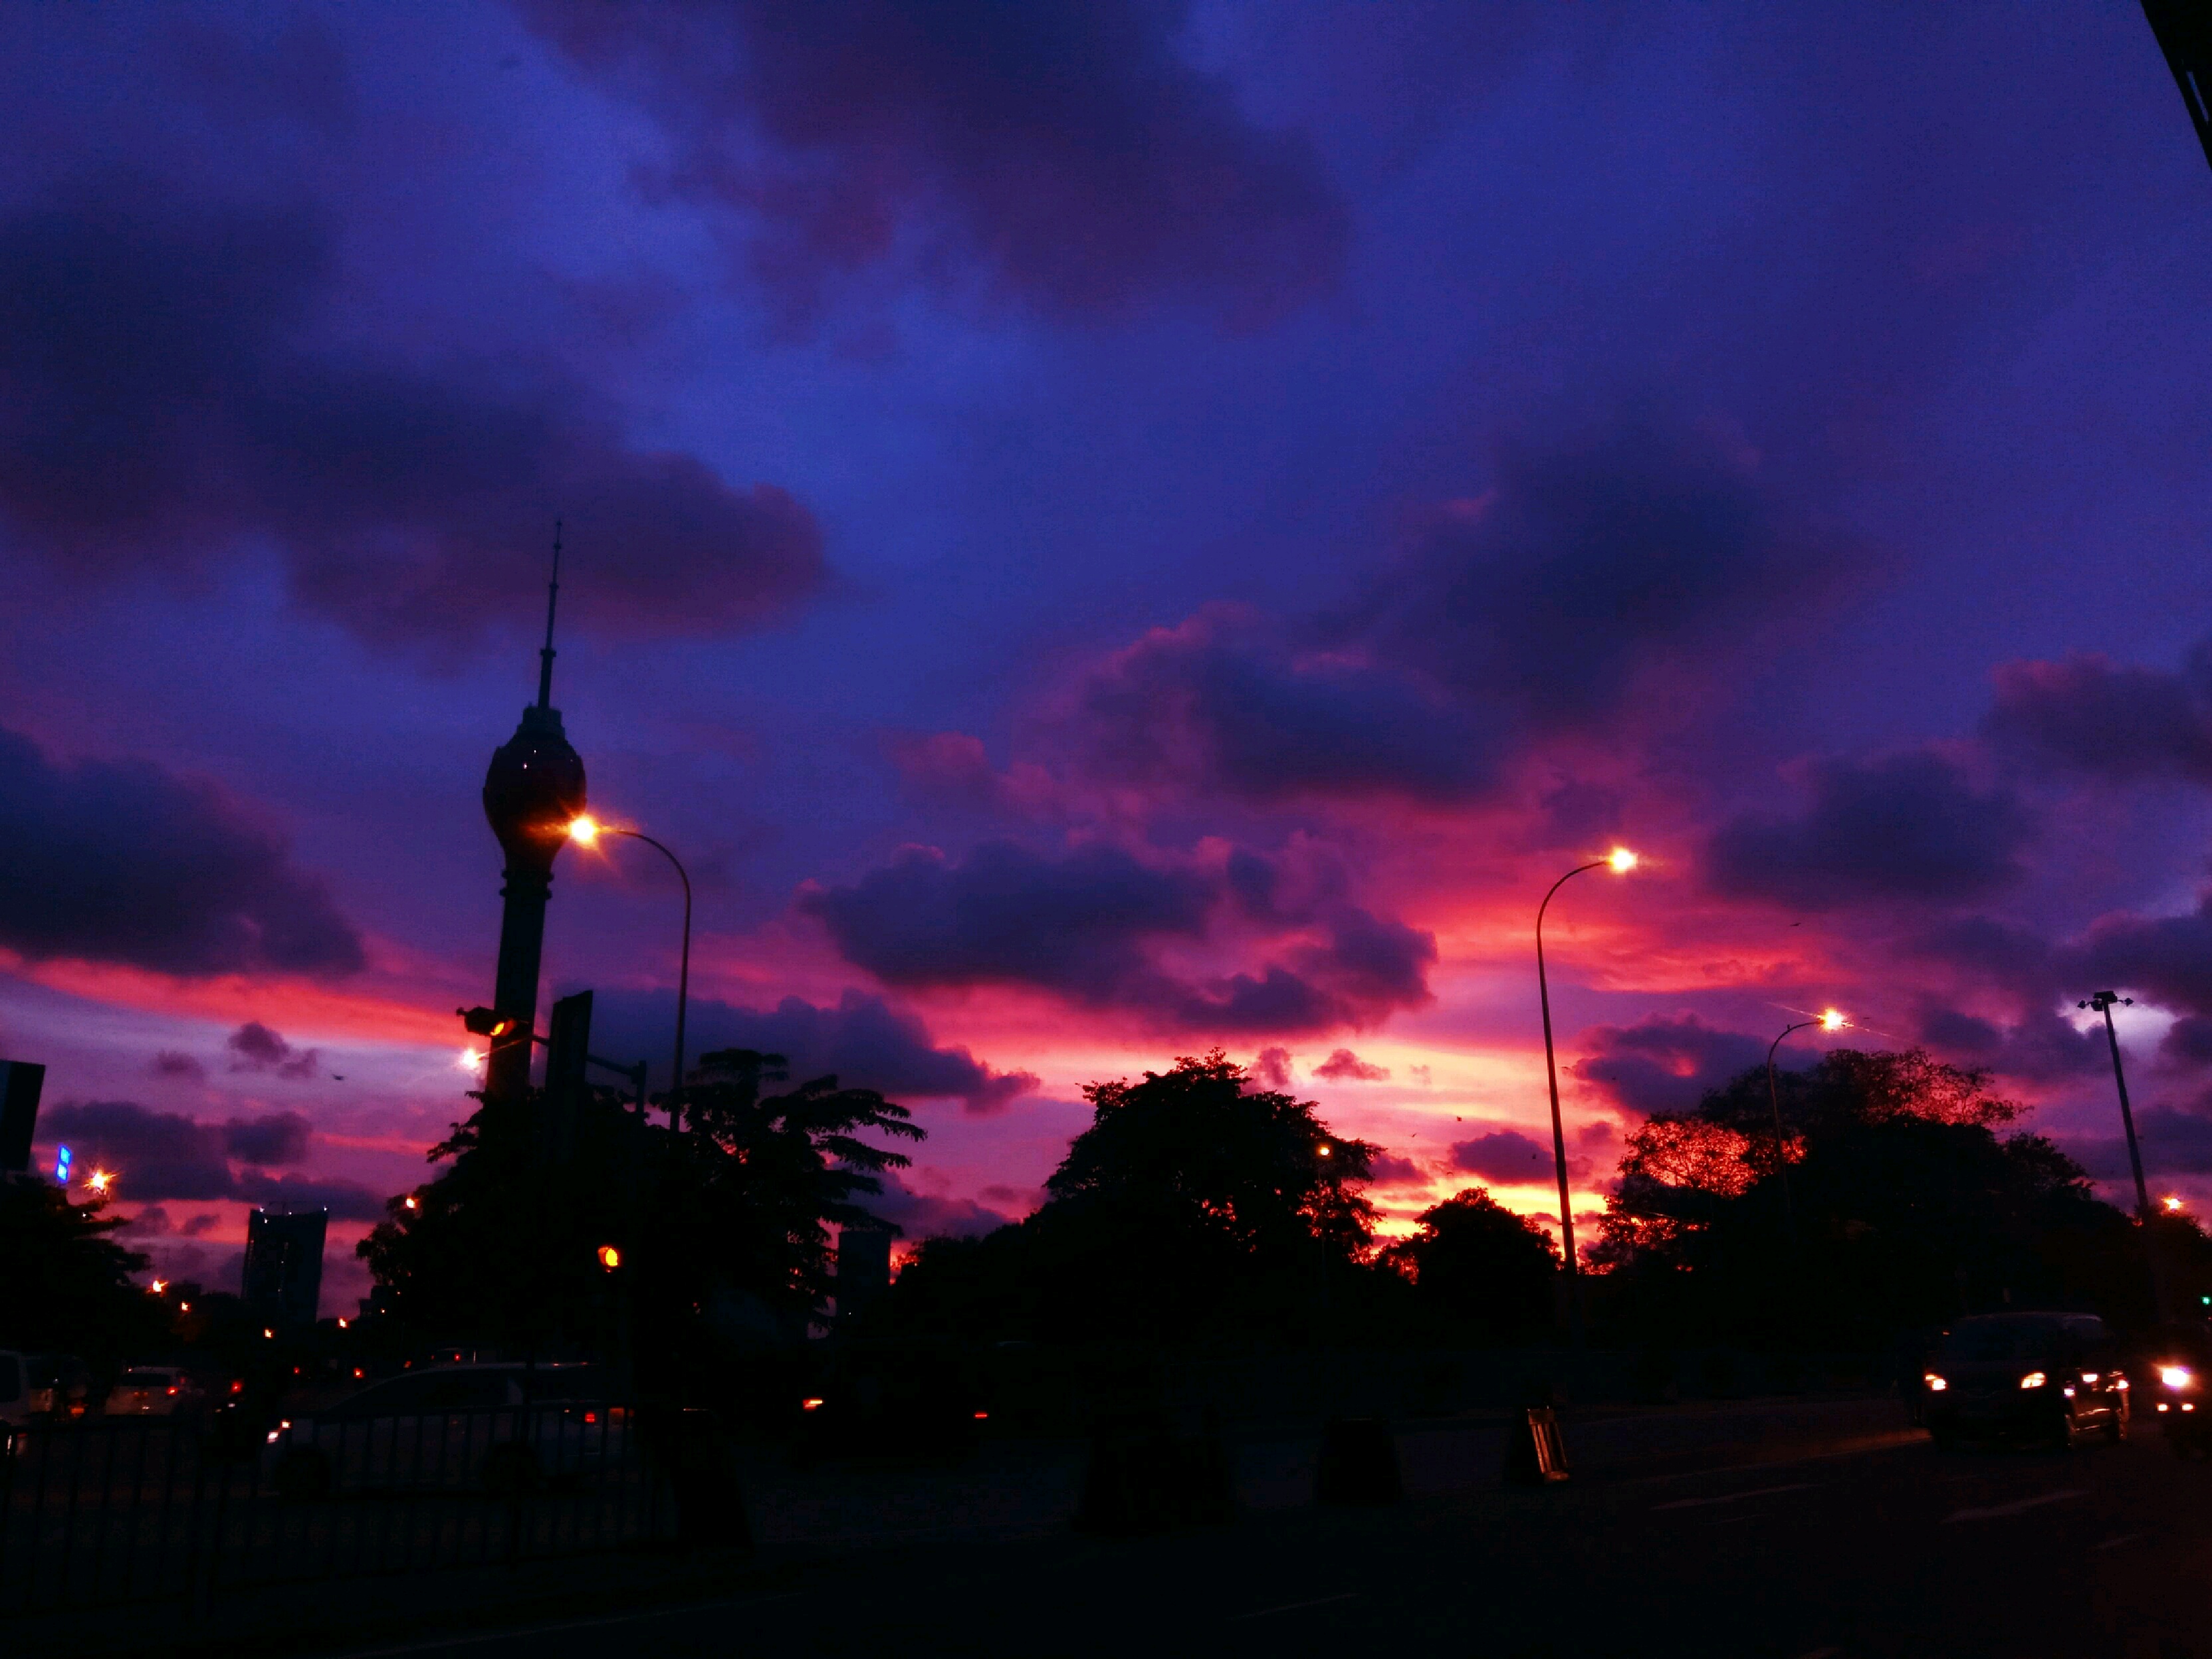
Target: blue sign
<point>61,1166</point>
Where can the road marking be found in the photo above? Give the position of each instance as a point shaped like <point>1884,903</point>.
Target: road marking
<point>2125,1538</point>
<point>1756,1492</point>
<point>1996,1512</point>
<point>1296,1607</point>
<point>441,1644</point>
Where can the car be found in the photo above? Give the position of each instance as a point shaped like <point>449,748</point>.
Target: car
<point>61,1385</point>
<point>153,1391</point>
<point>2042,1378</point>
<point>499,1428</point>
<point>2179,1386</point>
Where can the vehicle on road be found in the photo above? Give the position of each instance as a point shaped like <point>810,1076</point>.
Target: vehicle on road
<point>496,1428</point>
<point>153,1391</point>
<point>2041,1378</point>
<point>2180,1389</point>
<point>61,1385</point>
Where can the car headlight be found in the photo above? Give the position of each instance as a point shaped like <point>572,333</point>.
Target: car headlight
<point>2033,1380</point>
<point>1935,1384</point>
<point>273,1433</point>
<point>2176,1377</point>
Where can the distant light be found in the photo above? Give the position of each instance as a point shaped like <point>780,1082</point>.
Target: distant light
<point>2033,1380</point>
<point>159,1286</point>
<point>1621,859</point>
<point>609,1257</point>
<point>2176,1377</point>
<point>2088,1377</point>
<point>2174,1202</point>
<point>183,1307</point>
<point>274,1432</point>
<point>983,1417</point>
<point>341,1324</point>
<point>582,830</point>
<point>1325,1149</point>
<point>237,1386</point>
<point>61,1166</point>
<point>99,1181</point>
<point>1833,1019</point>
<point>268,1333</point>
<point>470,1060</point>
<point>356,1370</point>
<point>411,1204</point>
<point>1935,1384</point>
<point>810,1404</point>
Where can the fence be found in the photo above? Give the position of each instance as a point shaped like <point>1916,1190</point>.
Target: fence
<point>102,1513</point>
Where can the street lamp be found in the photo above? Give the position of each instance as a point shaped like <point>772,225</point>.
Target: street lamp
<point>1830,1019</point>
<point>586,831</point>
<point>1620,861</point>
<point>2102,1002</point>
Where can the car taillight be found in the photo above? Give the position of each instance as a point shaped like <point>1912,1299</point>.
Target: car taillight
<point>172,1390</point>
<point>591,1417</point>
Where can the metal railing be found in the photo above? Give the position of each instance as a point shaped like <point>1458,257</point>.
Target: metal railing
<point>102,1513</point>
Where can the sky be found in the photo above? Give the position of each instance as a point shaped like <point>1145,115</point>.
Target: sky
<point>1099,533</point>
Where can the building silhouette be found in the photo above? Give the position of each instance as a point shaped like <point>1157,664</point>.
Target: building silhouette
<point>282,1281</point>
<point>534,788</point>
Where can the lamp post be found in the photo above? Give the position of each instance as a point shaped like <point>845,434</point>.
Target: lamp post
<point>1831,1020</point>
<point>584,831</point>
<point>2102,1002</point>
<point>1620,861</point>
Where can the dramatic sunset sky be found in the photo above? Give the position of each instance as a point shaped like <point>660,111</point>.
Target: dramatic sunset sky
<point>1100,531</point>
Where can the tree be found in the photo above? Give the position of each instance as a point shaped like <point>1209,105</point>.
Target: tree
<point>504,1243</point>
<point>1891,1203</point>
<point>1479,1263</point>
<point>1192,1203</point>
<point>66,1283</point>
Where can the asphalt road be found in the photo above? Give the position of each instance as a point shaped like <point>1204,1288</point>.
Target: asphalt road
<point>2103,1550</point>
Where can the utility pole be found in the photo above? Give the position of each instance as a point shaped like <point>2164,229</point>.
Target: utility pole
<point>2102,1002</point>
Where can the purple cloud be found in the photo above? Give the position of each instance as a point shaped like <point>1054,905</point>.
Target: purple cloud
<point>1504,1157</point>
<point>1066,150</point>
<point>255,1048</point>
<point>123,861</point>
<point>2088,714</point>
<point>1910,827</point>
<point>168,407</point>
<point>1663,1062</point>
<point>1344,1066</point>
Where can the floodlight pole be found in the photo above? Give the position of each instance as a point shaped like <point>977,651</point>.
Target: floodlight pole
<point>2102,1002</point>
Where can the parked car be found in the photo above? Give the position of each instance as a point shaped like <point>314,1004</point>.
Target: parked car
<point>499,1428</point>
<point>60,1385</point>
<point>2044,1378</point>
<point>153,1391</point>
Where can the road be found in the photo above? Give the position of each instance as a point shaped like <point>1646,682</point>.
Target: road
<point>2103,1550</point>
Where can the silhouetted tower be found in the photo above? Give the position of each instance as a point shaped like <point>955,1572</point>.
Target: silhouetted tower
<point>535,787</point>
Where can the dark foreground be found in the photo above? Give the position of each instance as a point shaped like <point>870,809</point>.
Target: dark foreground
<point>2104,1550</point>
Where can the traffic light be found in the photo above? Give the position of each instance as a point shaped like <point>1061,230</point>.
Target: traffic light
<point>485,1021</point>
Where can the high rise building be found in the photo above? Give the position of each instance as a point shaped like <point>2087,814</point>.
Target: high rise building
<point>534,789</point>
<point>283,1277</point>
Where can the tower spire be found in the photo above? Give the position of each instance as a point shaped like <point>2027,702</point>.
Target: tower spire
<point>552,598</point>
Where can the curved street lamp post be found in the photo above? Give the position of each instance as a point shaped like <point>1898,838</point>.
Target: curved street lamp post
<point>1620,861</point>
<point>584,831</point>
<point>1830,1020</point>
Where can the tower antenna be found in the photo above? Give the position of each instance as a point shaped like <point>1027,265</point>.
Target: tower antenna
<point>552,598</point>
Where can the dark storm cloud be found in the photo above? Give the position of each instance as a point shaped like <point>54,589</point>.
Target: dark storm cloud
<point>1062,144</point>
<point>162,403</point>
<point>254,1048</point>
<point>159,1155</point>
<point>2172,1142</point>
<point>1086,924</point>
<point>2164,959</point>
<point>2088,714</point>
<point>1610,571</point>
<point>862,1041</point>
<point>1505,1156</point>
<point>1219,703</point>
<point>122,861</point>
<point>1597,556</point>
<point>1663,1062</point>
<point>1909,827</point>
<point>346,1201</point>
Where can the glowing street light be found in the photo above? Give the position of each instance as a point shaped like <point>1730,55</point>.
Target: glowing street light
<point>586,830</point>
<point>159,1286</point>
<point>1829,1019</point>
<point>1620,861</point>
<point>2173,1203</point>
<point>99,1181</point>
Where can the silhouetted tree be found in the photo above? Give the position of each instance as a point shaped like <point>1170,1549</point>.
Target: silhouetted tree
<point>64,1282</point>
<point>1477,1262</point>
<point>1903,1207</point>
<point>503,1243</point>
<point>1191,1203</point>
